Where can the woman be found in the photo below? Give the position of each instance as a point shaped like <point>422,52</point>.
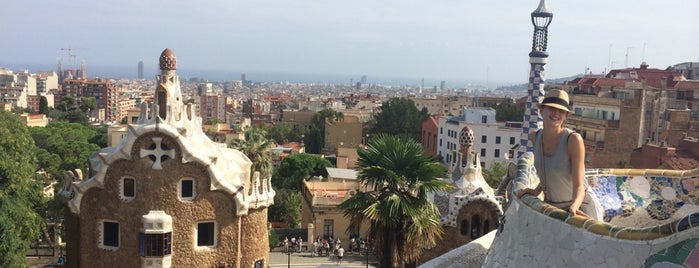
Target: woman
<point>559,155</point>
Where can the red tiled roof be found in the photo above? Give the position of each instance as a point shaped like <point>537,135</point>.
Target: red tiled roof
<point>652,76</point>
<point>609,82</point>
<point>691,84</point>
<point>680,161</point>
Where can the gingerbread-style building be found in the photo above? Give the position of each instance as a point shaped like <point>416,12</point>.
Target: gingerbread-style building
<point>167,196</point>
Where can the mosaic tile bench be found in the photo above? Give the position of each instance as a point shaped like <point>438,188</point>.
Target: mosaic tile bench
<point>651,220</point>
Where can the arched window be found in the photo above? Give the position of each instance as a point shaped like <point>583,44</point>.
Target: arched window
<point>475,227</point>
<point>464,227</point>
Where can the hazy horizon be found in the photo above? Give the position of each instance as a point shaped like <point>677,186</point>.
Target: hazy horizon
<point>438,40</point>
<point>116,72</point>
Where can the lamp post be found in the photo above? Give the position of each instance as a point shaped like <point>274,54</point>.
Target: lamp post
<point>288,258</point>
<point>366,247</point>
<point>541,19</point>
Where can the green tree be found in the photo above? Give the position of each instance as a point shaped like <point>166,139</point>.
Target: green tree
<point>296,168</point>
<point>68,103</point>
<point>88,104</point>
<point>507,112</point>
<point>257,148</point>
<point>493,175</point>
<point>398,175</point>
<point>19,193</point>
<point>316,135</point>
<point>43,105</point>
<point>211,121</point>
<point>284,132</point>
<point>69,142</point>
<point>286,208</point>
<point>399,116</point>
<point>69,110</point>
<point>291,206</point>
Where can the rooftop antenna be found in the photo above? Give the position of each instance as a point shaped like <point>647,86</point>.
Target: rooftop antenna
<point>609,59</point>
<point>627,56</point>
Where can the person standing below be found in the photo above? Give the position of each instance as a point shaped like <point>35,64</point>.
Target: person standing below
<point>340,254</point>
<point>559,155</point>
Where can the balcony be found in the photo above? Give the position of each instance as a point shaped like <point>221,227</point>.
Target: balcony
<point>577,120</point>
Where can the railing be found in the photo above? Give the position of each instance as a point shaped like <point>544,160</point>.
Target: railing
<point>328,200</point>
<point>41,251</point>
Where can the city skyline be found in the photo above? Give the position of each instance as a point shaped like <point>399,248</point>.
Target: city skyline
<point>438,40</point>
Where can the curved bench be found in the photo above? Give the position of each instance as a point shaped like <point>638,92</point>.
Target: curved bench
<point>536,233</point>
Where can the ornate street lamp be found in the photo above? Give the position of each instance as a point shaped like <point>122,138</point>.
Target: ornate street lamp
<point>541,18</point>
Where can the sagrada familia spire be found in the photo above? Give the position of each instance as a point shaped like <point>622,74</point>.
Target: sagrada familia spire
<point>541,18</point>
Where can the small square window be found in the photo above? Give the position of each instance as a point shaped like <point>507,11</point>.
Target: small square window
<point>512,140</point>
<point>110,234</point>
<point>497,140</point>
<point>128,188</point>
<point>496,153</point>
<point>187,189</point>
<point>484,139</point>
<point>483,152</point>
<point>206,234</point>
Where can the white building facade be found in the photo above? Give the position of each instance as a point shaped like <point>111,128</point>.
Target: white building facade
<point>493,140</point>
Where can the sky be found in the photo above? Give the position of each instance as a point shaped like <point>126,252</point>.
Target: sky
<point>436,39</point>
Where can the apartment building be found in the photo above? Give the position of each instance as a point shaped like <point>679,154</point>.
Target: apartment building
<point>16,88</point>
<point>213,106</point>
<point>113,105</point>
<point>443,105</point>
<point>319,207</point>
<point>343,133</point>
<point>494,141</point>
<point>627,108</point>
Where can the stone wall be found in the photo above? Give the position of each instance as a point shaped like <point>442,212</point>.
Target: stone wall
<point>454,237</point>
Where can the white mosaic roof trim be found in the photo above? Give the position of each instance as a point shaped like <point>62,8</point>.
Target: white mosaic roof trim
<point>261,193</point>
<point>229,169</point>
<point>457,202</point>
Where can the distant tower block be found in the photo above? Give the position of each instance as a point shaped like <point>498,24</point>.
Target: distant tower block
<point>140,70</point>
<point>541,18</point>
<point>83,70</point>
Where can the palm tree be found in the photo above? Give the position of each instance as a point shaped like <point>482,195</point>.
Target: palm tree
<point>256,147</point>
<point>398,175</point>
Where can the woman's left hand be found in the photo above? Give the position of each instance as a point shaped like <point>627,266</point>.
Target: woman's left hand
<point>577,212</point>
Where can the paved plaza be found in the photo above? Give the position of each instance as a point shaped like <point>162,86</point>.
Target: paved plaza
<point>279,259</point>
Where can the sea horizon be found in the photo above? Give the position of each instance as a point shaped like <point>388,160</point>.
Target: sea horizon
<point>122,72</point>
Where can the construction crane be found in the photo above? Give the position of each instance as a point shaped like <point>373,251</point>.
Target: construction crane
<point>71,54</point>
